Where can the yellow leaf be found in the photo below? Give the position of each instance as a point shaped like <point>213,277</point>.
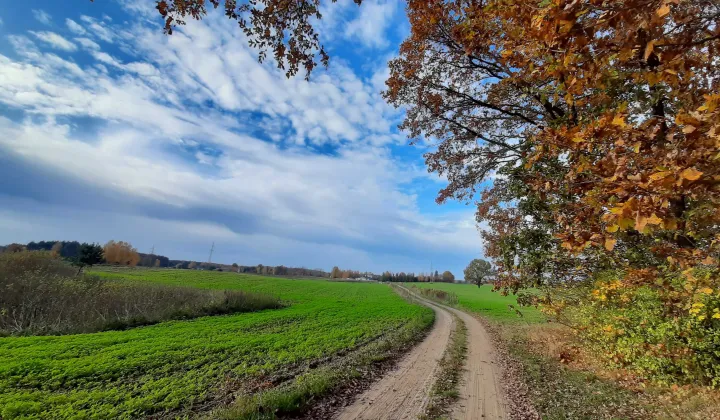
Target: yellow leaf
<point>578,140</point>
<point>663,10</point>
<point>636,147</point>
<point>654,220</point>
<point>706,290</point>
<point>506,53</point>
<point>612,228</point>
<point>626,223</point>
<point>691,174</point>
<point>619,120</point>
<point>610,243</point>
<point>659,175</point>
<point>640,222</point>
<point>617,210</point>
<point>649,49</point>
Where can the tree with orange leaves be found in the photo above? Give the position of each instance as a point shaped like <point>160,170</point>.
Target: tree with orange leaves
<point>121,253</point>
<point>600,124</point>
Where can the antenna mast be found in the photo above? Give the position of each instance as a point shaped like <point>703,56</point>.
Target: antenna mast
<point>212,248</point>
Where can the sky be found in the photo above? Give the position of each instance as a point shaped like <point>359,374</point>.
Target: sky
<point>110,129</point>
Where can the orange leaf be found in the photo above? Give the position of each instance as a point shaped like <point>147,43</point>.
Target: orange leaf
<point>691,174</point>
<point>649,49</point>
<point>663,10</point>
<point>659,175</point>
<point>640,222</point>
<point>610,243</point>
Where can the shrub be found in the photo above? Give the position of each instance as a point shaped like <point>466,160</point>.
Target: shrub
<point>42,295</point>
<point>670,332</point>
<point>438,295</point>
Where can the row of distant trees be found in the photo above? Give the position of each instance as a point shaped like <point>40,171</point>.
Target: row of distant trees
<point>123,253</point>
<point>445,277</point>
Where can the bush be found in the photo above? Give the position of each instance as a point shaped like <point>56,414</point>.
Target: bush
<point>41,295</point>
<point>670,332</point>
<point>438,295</point>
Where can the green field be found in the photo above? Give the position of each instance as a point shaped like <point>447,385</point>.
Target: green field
<point>173,367</point>
<point>482,300</point>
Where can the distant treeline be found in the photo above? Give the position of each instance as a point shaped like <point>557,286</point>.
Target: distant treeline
<point>122,253</point>
<point>446,277</point>
<point>70,250</point>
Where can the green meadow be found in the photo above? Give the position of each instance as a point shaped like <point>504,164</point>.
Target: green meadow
<point>483,301</point>
<point>174,368</point>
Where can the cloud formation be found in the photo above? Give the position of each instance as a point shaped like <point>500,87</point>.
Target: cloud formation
<point>188,139</point>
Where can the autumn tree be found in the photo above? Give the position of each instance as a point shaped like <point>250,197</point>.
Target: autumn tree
<point>598,123</point>
<point>12,248</point>
<point>192,265</point>
<point>448,277</point>
<point>478,271</point>
<point>56,250</point>
<point>121,253</point>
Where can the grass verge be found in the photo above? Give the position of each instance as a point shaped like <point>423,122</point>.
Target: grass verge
<point>445,390</point>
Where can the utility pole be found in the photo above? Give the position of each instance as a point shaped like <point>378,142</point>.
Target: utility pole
<point>152,250</point>
<point>212,248</point>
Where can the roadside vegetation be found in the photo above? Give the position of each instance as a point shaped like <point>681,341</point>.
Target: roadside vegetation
<point>42,295</point>
<point>442,296</point>
<point>564,378</point>
<point>197,366</point>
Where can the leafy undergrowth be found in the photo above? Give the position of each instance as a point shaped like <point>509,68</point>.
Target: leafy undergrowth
<point>564,381</point>
<point>178,368</point>
<point>445,390</point>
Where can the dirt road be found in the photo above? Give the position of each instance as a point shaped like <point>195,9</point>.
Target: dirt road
<point>403,393</point>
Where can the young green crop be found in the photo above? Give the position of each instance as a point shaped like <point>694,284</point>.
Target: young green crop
<point>174,365</point>
<point>482,300</point>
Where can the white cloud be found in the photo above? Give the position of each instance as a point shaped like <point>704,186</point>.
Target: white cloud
<point>98,28</point>
<point>182,119</point>
<point>75,27</point>
<point>371,25</point>
<point>54,40</point>
<point>42,16</point>
<point>88,43</point>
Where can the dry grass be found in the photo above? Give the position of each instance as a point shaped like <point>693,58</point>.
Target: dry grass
<point>41,295</point>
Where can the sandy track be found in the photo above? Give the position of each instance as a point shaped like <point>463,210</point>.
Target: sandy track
<point>403,393</point>
<point>481,395</point>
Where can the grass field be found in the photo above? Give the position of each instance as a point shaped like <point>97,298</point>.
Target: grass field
<point>483,301</point>
<point>173,367</point>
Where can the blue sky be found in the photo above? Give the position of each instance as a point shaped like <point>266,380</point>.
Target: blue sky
<point>111,130</point>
